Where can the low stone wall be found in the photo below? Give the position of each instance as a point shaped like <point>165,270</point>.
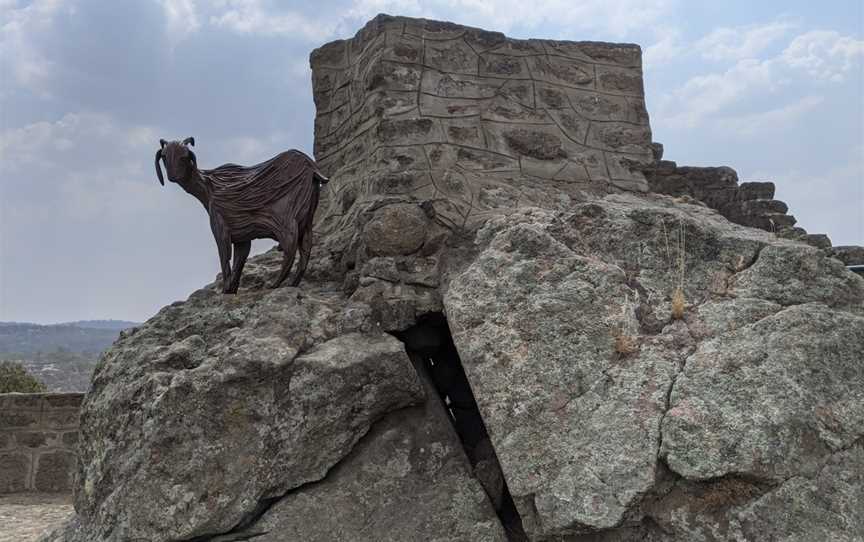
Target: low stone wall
<point>38,440</point>
<point>749,204</point>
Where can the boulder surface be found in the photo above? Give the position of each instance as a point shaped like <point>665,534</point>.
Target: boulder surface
<point>603,364</point>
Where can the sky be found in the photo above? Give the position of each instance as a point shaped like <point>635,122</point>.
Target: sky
<point>87,88</point>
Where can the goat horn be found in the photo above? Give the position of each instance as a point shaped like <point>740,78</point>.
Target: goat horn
<point>189,141</point>
<point>159,169</point>
<point>192,157</point>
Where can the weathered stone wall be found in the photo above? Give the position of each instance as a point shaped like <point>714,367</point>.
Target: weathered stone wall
<point>749,204</point>
<point>38,439</point>
<point>470,120</point>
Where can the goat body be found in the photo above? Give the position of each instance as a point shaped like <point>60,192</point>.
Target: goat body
<point>275,200</point>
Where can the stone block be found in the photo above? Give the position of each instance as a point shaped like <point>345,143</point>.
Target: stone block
<point>31,439</point>
<point>451,85</point>
<point>63,400</point>
<point>562,71</point>
<point>391,76</point>
<point>657,150</point>
<point>849,255</point>
<point>14,419</point>
<point>619,137</point>
<point>396,159</point>
<point>70,439</point>
<point>763,206</point>
<point>626,55</point>
<point>818,240</point>
<point>497,65</point>
<point>14,472</point>
<point>573,125</point>
<point>755,190</point>
<point>503,110</point>
<point>534,143</point>
<point>404,49</point>
<point>464,132</point>
<point>602,107</point>
<point>449,156</point>
<point>15,401</point>
<point>436,106</point>
<point>396,230</point>
<point>619,80</point>
<point>453,56</point>
<point>54,471</point>
<point>61,418</point>
<point>409,131</point>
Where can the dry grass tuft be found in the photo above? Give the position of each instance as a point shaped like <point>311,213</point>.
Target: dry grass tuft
<point>626,341</point>
<point>678,304</point>
<point>626,344</point>
<point>678,301</point>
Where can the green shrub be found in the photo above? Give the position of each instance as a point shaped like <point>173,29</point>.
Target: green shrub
<point>15,378</point>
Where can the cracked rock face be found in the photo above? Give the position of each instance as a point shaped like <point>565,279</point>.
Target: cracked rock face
<point>406,477</point>
<point>761,381</point>
<point>221,401</point>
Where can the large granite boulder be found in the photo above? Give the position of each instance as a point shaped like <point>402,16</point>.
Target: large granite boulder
<point>595,396</point>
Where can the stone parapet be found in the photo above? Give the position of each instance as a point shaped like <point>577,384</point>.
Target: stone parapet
<point>38,440</point>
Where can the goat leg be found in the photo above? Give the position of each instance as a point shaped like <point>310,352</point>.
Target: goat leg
<point>288,242</point>
<point>305,251</point>
<point>241,252</point>
<point>223,243</point>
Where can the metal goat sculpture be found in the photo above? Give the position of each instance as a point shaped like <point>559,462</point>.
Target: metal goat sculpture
<point>274,200</point>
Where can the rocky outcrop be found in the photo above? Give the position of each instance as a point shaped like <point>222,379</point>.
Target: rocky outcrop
<point>219,406</point>
<point>477,356</point>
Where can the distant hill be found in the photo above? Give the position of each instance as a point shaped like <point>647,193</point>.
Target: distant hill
<point>60,355</point>
<point>117,325</point>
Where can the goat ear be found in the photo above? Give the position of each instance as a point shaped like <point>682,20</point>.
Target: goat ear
<point>189,141</point>
<point>192,157</point>
<point>158,168</point>
<point>162,143</point>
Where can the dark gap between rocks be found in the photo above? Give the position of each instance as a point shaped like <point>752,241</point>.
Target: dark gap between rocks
<point>430,345</point>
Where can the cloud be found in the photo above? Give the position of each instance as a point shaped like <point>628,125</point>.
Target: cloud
<point>248,149</point>
<point>703,96</point>
<point>251,17</point>
<point>828,199</point>
<point>825,55</point>
<point>820,56</point>
<point>181,19</point>
<point>616,19</point>
<point>774,119</point>
<point>81,166</point>
<point>19,55</point>
<point>669,48</point>
<point>743,41</point>
<point>46,143</point>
